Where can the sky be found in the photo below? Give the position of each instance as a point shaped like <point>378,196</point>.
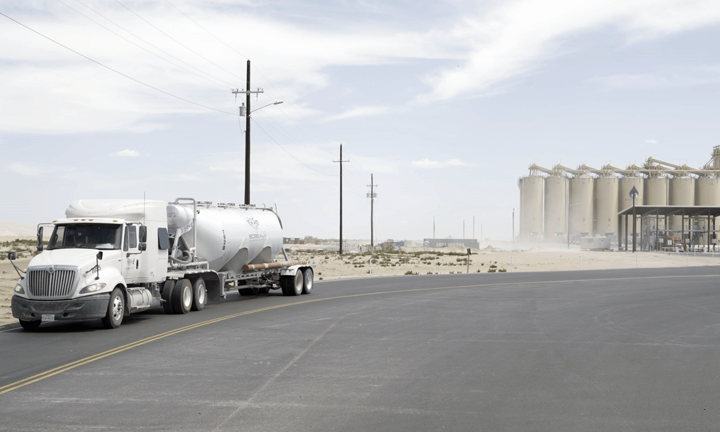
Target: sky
<point>445,103</point>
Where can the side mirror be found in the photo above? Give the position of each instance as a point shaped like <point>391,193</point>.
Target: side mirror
<point>99,255</point>
<point>39,239</point>
<point>12,256</point>
<point>143,234</point>
<point>142,247</point>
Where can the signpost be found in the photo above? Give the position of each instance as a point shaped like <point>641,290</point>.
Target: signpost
<point>634,194</point>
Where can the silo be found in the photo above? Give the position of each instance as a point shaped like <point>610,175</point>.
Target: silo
<point>531,207</point>
<point>626,185</point>
<point>606,205</point>
<point>682,193</point>
<point>556,190</point>
<point>656,191</point>
<point>707,193</point>
<point>581,206</point>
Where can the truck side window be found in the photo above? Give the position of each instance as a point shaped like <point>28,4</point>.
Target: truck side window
<point>132,233</point>
<point>163,241</point>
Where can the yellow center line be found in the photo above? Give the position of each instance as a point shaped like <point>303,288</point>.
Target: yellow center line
<point>64,368</point>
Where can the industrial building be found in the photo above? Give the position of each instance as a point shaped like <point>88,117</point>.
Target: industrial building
<point>563,204</point>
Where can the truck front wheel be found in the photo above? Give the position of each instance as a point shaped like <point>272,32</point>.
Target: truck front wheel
<point>30,325</point>
<point>116,310</point>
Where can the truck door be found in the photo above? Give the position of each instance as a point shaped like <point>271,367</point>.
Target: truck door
<point>131,269</point>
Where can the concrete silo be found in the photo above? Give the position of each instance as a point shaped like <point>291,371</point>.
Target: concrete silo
<point>707,193</point>
<point>556,190</point>
<point>682,193</point>
<point>531,207</point>
<point>656,191</point>
<point>626,185</point>
<point>606,205</point>
<point>581,206</point>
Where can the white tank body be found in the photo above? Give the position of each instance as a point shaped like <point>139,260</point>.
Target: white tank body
<point>581,206</point>
<point>556,190</point>
<point>606,205</point>
<point>229,237</point>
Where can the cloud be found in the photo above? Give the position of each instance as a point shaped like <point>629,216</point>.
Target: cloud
<point>651,141</point>
<point>518,37</point>
<point>128,153</point>
<point>365,111</point>
<point>427,163</point>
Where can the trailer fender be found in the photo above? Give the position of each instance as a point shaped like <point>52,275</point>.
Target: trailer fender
<point>292,270</point>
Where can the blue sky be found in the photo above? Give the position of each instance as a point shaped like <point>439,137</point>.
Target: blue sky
<point>446,102</point>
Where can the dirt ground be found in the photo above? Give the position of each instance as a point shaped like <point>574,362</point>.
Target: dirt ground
<point>409,262</point>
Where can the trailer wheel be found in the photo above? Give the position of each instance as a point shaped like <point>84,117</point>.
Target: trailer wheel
<point>307,280</point>
<point>167,295</point>
<point>30,325</point>
<point>115,311</point>
<point>199,294</point>
<point>293,285</point>
<point>182,296</point>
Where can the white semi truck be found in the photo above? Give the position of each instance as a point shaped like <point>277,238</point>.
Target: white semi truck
<point>110,258</point>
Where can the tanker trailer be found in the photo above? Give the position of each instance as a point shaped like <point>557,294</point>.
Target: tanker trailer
<point>110,258</point>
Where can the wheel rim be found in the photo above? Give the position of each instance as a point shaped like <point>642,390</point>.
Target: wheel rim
<point>117,309</point>
<point>299,283</point>
<point>201,294</point>
<point>309,281</point>
<point>187,297</point>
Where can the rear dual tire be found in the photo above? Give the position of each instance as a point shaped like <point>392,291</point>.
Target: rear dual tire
<point>182,296</point>
<point>300,283</point>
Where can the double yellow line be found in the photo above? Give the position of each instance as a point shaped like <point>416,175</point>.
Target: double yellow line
<point>64,368</point>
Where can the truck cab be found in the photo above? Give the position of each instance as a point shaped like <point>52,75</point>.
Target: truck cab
<point>94,264</point>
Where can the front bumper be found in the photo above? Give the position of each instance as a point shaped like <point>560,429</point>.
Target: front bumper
<point>82,308</point>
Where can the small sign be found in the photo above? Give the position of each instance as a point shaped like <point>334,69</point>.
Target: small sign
<point>634,193</point>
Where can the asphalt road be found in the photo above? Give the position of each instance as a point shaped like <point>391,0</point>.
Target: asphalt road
<point>628,350</point>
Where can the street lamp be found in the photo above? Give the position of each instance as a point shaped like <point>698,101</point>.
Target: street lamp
<point>243,113</point>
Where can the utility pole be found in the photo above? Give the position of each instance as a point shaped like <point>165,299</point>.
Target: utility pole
<point>372,195</point>
<point>246,110</point>
<point>513,226</point>
<point>433,227</point>
<point>341,161</point>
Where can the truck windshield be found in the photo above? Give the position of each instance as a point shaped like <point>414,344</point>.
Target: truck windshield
<point>86,236</point>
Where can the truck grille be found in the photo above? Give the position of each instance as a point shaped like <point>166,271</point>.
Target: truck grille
<point>51,283</point>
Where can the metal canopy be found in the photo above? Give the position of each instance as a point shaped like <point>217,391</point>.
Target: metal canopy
<point>668,210</point>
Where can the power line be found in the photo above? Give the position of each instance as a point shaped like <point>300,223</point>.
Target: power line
<point>114,70</point>
<point>140,46</point>
<point>178,42</point>
<point>254,66</point>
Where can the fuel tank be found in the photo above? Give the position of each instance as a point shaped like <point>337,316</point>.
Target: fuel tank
<point>228,237</point>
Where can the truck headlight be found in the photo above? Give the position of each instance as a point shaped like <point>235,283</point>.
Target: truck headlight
<point>19,289</point>
<point>92,288</point>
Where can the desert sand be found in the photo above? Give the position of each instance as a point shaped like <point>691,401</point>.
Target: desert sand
<point>417,262</point>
